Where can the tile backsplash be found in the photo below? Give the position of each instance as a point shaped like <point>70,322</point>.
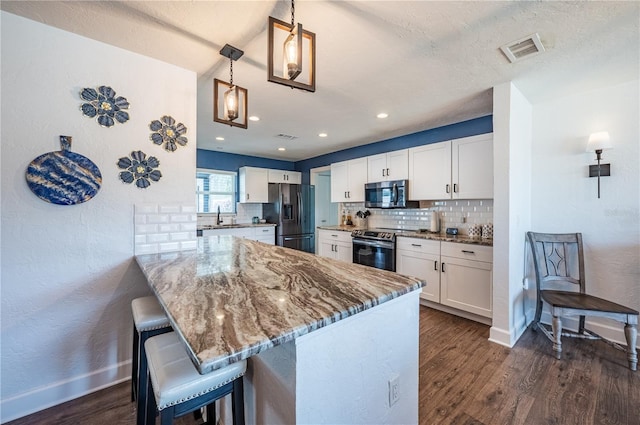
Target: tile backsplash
<point>164,228</point>
<point>453,213</point>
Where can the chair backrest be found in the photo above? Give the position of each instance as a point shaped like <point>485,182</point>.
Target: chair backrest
<point>558,260</point>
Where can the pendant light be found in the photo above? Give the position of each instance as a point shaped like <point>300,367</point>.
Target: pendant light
<point>298,54</point>
<point>230,100</point>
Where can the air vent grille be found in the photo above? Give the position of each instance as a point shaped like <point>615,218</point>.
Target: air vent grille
<point>523,48</point>
<point>285,136</point>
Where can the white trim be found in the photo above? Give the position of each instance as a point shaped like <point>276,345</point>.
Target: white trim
<point>456,312</point>
<point>51,395</point>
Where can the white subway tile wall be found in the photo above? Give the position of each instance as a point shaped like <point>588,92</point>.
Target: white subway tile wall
<point>244,214</point>
<point>453,213</point>
<point>164,228</point>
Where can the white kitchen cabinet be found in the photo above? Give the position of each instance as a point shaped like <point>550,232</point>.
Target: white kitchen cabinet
<point>456,169</point>
<point>348,179</point>
<point>420,258</point>
<point>335,244</point>
<point>388,166</point>
<point>254,185</point>
<point>266,234</point>
<point>282,176</point>
<point>466,278</point>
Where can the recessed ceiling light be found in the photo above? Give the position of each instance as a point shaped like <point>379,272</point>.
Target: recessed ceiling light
<point>322,135</point>
<point>254,118</point>
<point>382,115</point>
<point>281,149</point>
<point>220,138</point>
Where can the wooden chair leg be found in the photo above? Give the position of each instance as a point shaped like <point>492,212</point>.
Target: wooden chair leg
<point>631,334</point>
<point>237,402</point>
<point>556,326</point>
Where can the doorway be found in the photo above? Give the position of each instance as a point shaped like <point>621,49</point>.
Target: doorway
<point>326,212</point>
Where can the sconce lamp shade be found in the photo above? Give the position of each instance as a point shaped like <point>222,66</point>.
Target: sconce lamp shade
<point>599,142</point>
<point>295,48</point>
<point>229,104</point>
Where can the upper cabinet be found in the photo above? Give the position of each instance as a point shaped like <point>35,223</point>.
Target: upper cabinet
<point>281,176</point>
<point>348,179</point>
<point>254,185</point>
<point>388,166</point>
<point>457,169</point>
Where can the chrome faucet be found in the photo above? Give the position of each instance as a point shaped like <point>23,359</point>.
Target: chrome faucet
<point>218,221</point>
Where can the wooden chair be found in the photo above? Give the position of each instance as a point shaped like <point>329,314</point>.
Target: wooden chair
<point>558,260</point>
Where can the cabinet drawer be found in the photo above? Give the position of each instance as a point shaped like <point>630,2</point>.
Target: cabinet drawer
<point>418,245</point>
<point>334,235</point>
<point>265,231</point>
<point>467,251</point>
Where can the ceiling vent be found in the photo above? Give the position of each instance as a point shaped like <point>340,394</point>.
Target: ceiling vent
<point>523,48</point>
<point>285,136</point>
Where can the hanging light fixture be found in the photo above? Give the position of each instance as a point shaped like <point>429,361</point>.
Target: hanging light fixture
<point>230,100</point>
<point>298,54</point>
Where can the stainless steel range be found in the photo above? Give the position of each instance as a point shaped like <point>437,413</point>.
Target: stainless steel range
<point>375,248</point>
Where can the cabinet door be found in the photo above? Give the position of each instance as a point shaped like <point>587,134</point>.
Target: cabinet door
<point>423,266</point>
<point>467,285</point>
<point>339,181</point>
<point>254,185</point>
<point>294,177</point>
<point>344,251</point>
<point>430,172</point>
<point>357,178</point>
<point>472,167</point>
<point>326,248</point>
<point>277,176</point>
<point>377,168</point>
<point>265,234</point>
<point>398,165</point>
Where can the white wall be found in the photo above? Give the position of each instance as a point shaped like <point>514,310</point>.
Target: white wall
<point>564,199</point>
<point>68,273</point>
<point>511,211</point>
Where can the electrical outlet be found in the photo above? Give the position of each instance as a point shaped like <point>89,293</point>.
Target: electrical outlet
<point>394,390</point>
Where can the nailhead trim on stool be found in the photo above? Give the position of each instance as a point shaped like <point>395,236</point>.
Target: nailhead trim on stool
<point>176,388</point>
<point>149,319</point>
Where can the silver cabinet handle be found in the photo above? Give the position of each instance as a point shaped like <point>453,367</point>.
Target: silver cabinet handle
<point>383,172</point>
<point>416,244</point>
<point>335,236</point>
<point>265,230</point>
<point>387,172</point>
<point>247,196</point>
<point>448,190</point>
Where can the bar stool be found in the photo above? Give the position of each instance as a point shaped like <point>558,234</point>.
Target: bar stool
<point>149,320</point>
<point>176,388</point>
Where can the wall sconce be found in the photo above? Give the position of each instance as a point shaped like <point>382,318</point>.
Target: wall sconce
<point>298,54</point>
<point>229,100</point>
<point>597,143</point>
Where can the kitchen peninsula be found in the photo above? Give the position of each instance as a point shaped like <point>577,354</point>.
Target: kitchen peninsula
<point>327,339</point>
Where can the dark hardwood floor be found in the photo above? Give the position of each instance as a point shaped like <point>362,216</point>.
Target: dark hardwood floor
<point>464,379</point>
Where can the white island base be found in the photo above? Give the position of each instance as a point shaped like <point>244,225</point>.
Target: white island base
<point>340,374</point>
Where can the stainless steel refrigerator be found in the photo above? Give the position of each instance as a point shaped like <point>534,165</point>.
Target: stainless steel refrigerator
<point>292,208</point>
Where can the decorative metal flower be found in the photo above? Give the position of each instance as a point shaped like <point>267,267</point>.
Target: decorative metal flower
<point>140,169</point>
<point>104,104</point>
<point>166,131</point>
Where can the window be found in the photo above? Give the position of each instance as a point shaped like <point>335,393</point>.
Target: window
<point>215,189</point>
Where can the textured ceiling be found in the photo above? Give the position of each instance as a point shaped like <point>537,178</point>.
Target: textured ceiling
<point>425,63</point>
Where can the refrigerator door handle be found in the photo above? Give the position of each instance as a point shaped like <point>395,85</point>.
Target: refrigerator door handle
<point>295,238</point>
<point>300,208</point>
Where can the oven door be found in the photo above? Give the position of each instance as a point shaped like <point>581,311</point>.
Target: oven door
<point>378,254</point>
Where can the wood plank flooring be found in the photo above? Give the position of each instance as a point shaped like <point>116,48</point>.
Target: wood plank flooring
<point>464,380</point>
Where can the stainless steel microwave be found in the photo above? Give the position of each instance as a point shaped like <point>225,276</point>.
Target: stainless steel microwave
<point>389,194</point>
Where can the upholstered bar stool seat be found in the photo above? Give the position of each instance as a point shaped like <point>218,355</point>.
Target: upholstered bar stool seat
<point>175,387</point>
<point>149,319</point>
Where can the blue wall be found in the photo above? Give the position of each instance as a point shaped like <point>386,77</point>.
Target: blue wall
<point>216,160</point>
<point>231,162</point>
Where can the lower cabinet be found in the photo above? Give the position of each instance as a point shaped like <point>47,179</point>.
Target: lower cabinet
<point>335,244</point>
<point>266,234</point>
<point>457,275</point>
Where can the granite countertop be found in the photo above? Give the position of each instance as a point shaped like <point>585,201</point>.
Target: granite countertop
<point>233,298</point>
<point>421,235</point>
<point>232,226</point>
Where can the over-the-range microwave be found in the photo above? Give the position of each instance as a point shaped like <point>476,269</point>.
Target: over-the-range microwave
<point>389,194</point>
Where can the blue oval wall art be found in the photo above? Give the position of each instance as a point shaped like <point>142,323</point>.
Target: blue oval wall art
<point>64,177</point>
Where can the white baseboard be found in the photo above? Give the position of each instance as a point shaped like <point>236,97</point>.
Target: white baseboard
<point>63,391</point>
<point>456,312</point>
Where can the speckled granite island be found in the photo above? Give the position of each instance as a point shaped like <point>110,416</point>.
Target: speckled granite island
<point>324,337</point>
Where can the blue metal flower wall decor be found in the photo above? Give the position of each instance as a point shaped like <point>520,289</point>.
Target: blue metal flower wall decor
<point>104,105</point>
<point>165,131</point>
<point>140,169</point>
